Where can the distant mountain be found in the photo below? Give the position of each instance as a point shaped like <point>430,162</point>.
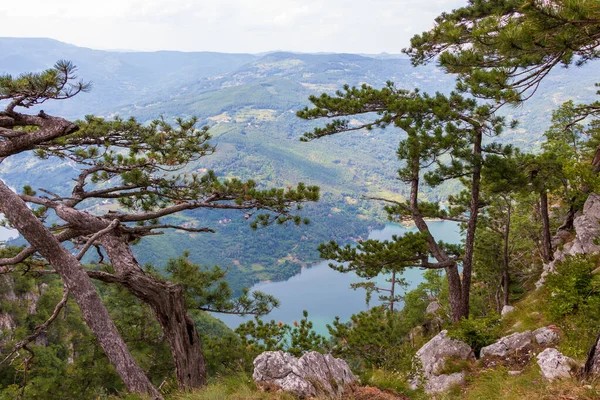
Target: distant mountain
<point>118,78</point>
<point>250,103</point>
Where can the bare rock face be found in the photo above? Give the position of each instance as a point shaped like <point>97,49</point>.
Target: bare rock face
<point>433,307</point>
<point>508,345</point>
<point>555,365</point>
<point>432,358</point>
<point>507,309</point>
<point>312,375</point>
<point>545,336</point>
<point>587,229</point>
<point>441,383</point>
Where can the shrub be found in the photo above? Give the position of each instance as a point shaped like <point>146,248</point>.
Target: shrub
<point>476,332</point>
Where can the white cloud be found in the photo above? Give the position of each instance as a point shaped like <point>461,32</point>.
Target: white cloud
<point>226,25</point>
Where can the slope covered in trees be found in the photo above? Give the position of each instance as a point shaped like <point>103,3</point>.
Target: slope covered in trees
<point>522,213</point>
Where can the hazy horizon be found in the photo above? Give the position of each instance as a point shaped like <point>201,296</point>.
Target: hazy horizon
<point>229,26</point>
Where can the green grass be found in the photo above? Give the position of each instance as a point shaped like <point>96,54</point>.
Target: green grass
<point>529,314</point>
<point>233,387</point>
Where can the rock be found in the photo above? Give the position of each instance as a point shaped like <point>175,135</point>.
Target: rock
<point>434,318</point>
<point>587,229</point>
<point>440,383</point>
<point>507,309</point>
<point>513,373</point>
<point>545,336</point>
<point>555,365</point>
<point>508,345</point>
<point>433,308</point>
<point>313,374</point>
<point>432,358</point>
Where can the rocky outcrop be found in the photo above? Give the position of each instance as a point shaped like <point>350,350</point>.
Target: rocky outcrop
<point>433,307</point>
<point>545,336</point>
<point>432,359</point>
<point>587,230</point>
<point>509,345</point>
<point>507,309</point>
<point>554,364</point>
<point>312,375</point>
<point>433,318</point>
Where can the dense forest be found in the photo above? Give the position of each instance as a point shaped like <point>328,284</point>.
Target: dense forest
<point>141,224</point>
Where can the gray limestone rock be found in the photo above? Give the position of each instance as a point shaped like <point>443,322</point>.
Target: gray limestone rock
<point>507,345</point>
<point>545,336</point>
<point>313,374</point>
<point>587,232</point>
<point>433,308</point>
<point>440,383</point>
<point>432,358</point>
<point>507,309</point>
<point>555,365</point>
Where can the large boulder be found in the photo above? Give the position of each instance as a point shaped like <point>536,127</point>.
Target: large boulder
<point>432,358</point>
<point>312,375</point>
<point>554,364</point>
<point>509,345</point>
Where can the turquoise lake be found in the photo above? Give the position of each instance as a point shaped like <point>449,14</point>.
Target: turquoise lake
<point>326,293</point>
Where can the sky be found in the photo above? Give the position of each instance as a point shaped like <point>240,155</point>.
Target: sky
<point>248,26</point>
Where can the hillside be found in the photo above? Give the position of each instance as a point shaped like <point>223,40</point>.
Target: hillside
<point>250,102</point>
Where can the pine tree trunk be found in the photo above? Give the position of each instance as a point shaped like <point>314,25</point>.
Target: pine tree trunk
<point>455,295</point>
<point>472,223</point>
<point>505,257</point>
<point>392,292</point>
<point>75,278</point>
<point>546,238</point>
<point>167,300</point>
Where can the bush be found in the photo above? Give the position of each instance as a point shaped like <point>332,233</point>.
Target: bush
<point>574,288</point>
<point>477,332</point>
<point>574,303</point>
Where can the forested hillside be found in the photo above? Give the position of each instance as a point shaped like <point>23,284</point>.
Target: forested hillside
<point>250,103</point>
<point>143,216</point>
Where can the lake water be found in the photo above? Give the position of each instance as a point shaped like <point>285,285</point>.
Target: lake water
<point>326,293</point>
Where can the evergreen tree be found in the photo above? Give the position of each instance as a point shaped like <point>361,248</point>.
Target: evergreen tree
<point>142,167</point>
<point>503,49</point>
<point>21,132</point>
<point>444,132</point>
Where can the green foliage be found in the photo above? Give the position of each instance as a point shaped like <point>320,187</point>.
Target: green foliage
<point>476,332</point>
<point>373,338</point>
<point>258,336</point>
<point>207,290</point>
<point>503,49</point>
<point>29,89</point>
<point>574,303</point>
<point>574,288</point>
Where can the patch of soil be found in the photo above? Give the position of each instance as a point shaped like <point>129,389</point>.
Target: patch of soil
<point>515,361</point>
<point>374,393</point>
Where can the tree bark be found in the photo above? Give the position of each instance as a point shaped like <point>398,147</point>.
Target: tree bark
<point>167,300</point>
<point>546,237</point>
<point>455,295</point>
<point>75,278</point>
<point>472,224</point>
<point>505,256</point>
<point>392,292</point>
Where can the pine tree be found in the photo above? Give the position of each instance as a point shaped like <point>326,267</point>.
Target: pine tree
<point>445,132</point>
<point>21,132</point>
<point>503,49</point>
<point>142,167</point>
